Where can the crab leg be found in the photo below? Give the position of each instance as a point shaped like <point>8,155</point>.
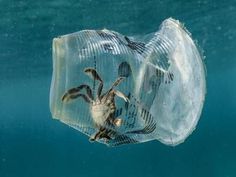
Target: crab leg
<point>74,93</point>
<point>117,82</point>
<point>121,95</point>
<point>102,133</point>
<point>68,97</point>
<point>96,136</point>
<point>94,75</point>
<point>88,90</point>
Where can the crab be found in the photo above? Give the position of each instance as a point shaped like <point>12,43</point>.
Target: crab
<point>102,106</point>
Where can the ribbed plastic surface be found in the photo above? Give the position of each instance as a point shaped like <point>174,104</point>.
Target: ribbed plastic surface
<point>162,77</point>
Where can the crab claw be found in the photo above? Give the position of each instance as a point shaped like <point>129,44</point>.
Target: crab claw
<point>117,122</point>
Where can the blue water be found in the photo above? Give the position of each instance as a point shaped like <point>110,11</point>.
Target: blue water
<point>32,144</point>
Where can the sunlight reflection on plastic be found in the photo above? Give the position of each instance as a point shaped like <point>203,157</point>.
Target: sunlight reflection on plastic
<point>121,90</point>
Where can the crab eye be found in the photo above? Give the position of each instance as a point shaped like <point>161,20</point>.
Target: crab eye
<point>119,89</point>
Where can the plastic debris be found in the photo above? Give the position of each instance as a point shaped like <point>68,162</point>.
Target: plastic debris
<point>120,90</point>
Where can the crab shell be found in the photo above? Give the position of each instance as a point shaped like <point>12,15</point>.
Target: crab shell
<point>101,111</point>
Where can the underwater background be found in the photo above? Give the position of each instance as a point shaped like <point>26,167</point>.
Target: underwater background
<point>32,144</point>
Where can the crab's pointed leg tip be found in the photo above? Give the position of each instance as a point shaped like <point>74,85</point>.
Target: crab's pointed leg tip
<point>65,98</point>
<point>88,70</point>
<point>126,99</point>
<point>91,139</point>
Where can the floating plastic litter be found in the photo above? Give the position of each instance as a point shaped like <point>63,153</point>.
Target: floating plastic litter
<point>121,90</point>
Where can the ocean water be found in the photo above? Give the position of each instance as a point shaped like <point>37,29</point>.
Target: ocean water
<point>32,144</point>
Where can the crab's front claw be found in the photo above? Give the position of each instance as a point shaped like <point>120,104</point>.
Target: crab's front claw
<point>118,122</point>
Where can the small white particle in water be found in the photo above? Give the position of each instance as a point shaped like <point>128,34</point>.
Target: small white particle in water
<point>219,28</point>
